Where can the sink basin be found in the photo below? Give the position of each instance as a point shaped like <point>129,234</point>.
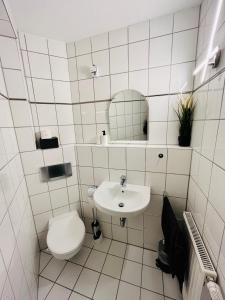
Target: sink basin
<point>110,199</point>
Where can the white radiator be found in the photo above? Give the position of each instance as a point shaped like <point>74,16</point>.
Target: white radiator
<point>201,273</point>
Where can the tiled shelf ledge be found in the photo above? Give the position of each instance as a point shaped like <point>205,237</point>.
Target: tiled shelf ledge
<point>135,145</point>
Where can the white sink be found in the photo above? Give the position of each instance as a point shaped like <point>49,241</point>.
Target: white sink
<point>110,199</point>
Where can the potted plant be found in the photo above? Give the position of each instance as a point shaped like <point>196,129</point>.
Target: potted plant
<point>185,111</point>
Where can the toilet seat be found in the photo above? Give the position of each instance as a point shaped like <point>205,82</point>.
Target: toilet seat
<point>66,235</point>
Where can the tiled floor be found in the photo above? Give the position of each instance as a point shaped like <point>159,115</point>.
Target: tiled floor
<point>111,270</point>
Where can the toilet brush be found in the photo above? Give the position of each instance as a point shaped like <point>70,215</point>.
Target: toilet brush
<point>97,234</point>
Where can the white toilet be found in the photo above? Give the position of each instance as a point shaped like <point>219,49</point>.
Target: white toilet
<point>65,235</point>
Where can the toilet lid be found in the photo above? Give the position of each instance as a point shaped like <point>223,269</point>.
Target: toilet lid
<point>65,235</point>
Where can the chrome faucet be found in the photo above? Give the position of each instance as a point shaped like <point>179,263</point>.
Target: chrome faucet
<point>123,181</point>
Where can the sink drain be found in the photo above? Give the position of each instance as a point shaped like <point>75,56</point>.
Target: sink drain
<point>121,204</point>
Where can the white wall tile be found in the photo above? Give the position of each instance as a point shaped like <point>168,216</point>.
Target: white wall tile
<point>32,161</point>
<point>117,158</point>
<point>101,60</point>
<point>157,182</point>
<point>57,48</point>
<point>86,175</point>
<point>176,185</point>
<point>179,161</point>
<point>89,134</point>
<point>15,84</point>
<point>67,134</point>
<point>118,37</point>
<point>62,91</point>
<point>136,159</point>
<point>159,79</point>
<point>100,42</point>
<point>26,139</point>
<point>100,157</point>
<point>181,74</point>
<point>220,145</point>
<point>157,133</point>
<point>53,156</point>
<point>59,68</point>
<point>119,59</point>
<point>86,90</point>
<point>75,95</point>
<point>72,65</point>
<point>102,88</point>
<point>9,53</point>
<point>138,32</point>
<point>46,114</point>
<point>64,114</point>
<point>161,26</point>
<point>217,189</point>
<point>160,51</point>
<point>209,138</point>
<point>158,108</point>
<point>213,230</point>
<point>138,55</point>
<point>83,46</point>
<point>119,82</point>
<point>84,156</point>
<point>153,162</point>
<point>59,198</point>
<point>36,44</point>
<point>205,169</point>
<point>88,113</point>
<point>40,203</point>
<point>39,65</point>
<point>21,113</point>
<point>186,19</point>
<point>34,184</point>
<point>184,46</point>
<point>43,90</point>
<point>84,63</point>
<point>138,80</point>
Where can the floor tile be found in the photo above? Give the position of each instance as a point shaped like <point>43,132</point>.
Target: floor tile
<point>134,253</point>
<point>88,240</point>
<point>44,288</point>
<point>44,260</point>
<point>58,293</point>
<point>171,287</point>
<point>69,275</point>
<point>81,257</point>
<point>106,288</point>
<point>53,269</point>
<point>117,248</point>
<point>147,295</point>
<point>131,272</point>
<point>149,258</point>
<point>87,282</point>
<point>128,292</point>
<point>113,266</point>
<point>152,279</point>
<point>96,260</point>
<point>103,245</point>
<point>75,296</point>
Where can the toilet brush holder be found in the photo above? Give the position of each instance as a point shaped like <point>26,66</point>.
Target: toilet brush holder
<point>97,234</point>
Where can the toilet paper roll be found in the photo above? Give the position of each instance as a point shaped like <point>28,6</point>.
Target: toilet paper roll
<point>90,193</point>
<point>46,134</point>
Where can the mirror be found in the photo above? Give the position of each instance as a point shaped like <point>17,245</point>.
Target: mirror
<point>128,116</point>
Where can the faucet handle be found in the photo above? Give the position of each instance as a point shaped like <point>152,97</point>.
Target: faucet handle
<point>123,177</point>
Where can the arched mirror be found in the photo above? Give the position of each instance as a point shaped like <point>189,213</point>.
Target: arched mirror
<point>128,117</point>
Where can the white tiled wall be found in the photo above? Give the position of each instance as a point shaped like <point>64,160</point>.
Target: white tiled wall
<point>142,166</point>
<point>19,250</point>
<point>206,188</point>
<point>154,57</point>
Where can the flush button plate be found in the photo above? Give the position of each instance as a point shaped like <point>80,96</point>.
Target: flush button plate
<point>54,172</point>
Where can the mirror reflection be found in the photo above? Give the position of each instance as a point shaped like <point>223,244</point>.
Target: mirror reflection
<point>128,116</point>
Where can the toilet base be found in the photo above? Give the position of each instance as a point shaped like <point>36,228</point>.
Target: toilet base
<point>65,256</point>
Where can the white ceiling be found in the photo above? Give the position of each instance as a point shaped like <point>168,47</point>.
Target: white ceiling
<point>71,20</point>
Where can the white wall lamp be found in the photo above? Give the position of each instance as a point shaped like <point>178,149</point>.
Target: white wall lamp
<point>213,55</point>
<point>94,71</point>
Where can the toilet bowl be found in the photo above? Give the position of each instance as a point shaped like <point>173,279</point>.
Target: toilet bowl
<point>65,235</point>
